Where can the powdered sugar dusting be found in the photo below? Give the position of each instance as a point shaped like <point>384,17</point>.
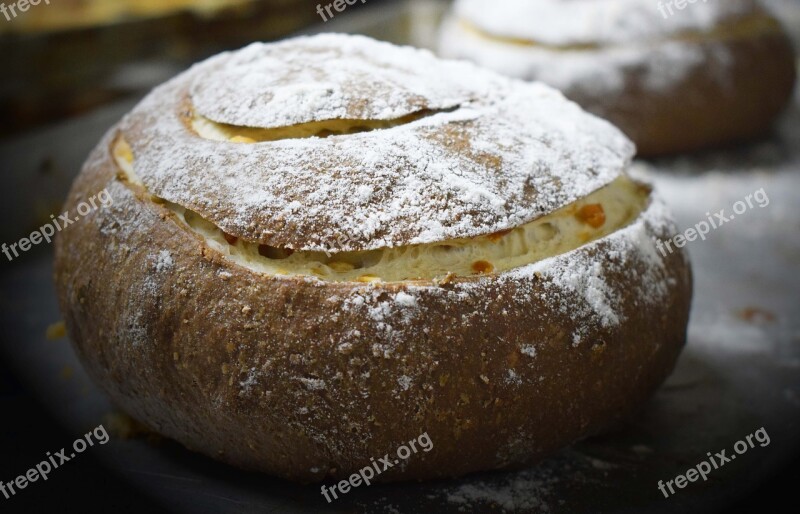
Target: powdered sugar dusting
<point>392,314</point>
<point>581,274</point>
<point>600,71</point>
<point>405,299</point>
<point>273,85</point>
<point>576,22</point>
<point>249,382</point>
<point>525,491</point>
<point>164,261</point>
<point>575,283</point>
<point>587,281</point>
<point>507,154</point>
<point>313,384</point>
<point>405,382</point>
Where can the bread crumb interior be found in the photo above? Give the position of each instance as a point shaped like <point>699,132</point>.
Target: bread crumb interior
<point>214,131</point>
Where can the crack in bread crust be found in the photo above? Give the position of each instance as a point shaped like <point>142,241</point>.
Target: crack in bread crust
<point>466,152</point>
<point>564,230</point>
<point>214,131</point>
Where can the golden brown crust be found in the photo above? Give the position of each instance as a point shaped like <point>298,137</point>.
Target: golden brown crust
<point>305,379</point>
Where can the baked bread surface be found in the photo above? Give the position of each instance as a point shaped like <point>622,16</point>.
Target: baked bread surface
<point>307,376</point>
<point>711,74</point>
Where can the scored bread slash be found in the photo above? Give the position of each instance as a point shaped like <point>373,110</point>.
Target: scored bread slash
<point>420,129</point>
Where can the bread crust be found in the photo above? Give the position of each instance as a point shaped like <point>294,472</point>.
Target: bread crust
<point>701,111</point>
<point>306,378</point>
<point>689,93</point>
<point>287,376</point>
<point>495,154</point>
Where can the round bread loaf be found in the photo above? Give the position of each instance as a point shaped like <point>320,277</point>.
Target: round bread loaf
<point>674,80</point>
<point>322,248</point>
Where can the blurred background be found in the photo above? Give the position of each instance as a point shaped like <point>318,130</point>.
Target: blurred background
<point>70,70</point>
<point>72,56</point>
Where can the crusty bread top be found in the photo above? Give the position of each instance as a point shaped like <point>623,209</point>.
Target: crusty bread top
<point>571,23</point>
<point>422,150</point>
